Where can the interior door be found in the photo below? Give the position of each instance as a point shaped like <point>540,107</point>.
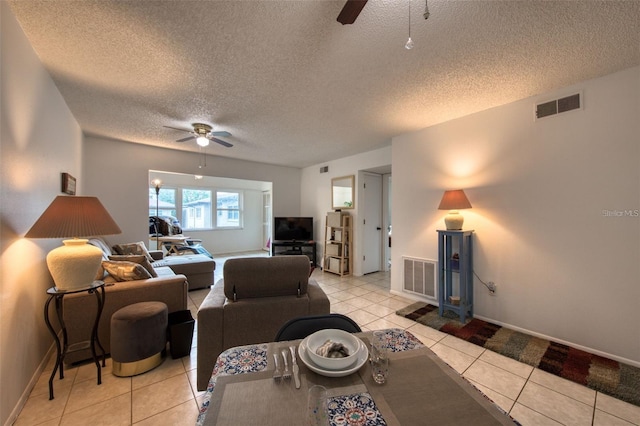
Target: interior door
<point>372,223</point>
<point>266,220</point>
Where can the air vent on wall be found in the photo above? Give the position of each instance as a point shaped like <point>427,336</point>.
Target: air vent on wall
<point>558,106</point>
<point>419,276</point>
<point>324,169</point>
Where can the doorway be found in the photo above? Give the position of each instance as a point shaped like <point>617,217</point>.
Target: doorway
<point>373,226</point>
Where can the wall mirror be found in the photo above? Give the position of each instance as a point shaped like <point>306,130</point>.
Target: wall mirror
<point>342,192</point>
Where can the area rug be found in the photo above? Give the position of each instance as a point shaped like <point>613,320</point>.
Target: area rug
<point>619,380</point>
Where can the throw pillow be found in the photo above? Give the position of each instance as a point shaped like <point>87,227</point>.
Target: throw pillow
<point>125,271</point>
<point>101,274</point>
<point>136,258</point>
<point>133,248</point>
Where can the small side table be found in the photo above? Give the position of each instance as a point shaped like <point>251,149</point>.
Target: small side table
<point>456,272</point>
<point>97,288</point>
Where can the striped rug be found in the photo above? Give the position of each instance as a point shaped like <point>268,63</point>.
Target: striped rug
<point>601,374</point>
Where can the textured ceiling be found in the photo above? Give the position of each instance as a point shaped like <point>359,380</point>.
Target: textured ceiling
<point>297,88</point>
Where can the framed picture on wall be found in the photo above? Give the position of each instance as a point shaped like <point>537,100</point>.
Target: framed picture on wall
<point>68,184</point>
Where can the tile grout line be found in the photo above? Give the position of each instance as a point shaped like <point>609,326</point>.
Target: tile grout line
<point>515,401</point>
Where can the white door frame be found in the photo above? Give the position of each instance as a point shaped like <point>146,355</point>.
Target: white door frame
<point>373,229</point>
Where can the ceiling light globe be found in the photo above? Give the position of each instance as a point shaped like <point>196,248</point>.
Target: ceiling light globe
<point>202,141</point>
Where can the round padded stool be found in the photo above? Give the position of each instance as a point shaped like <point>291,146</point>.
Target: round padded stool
<point>138,338</point>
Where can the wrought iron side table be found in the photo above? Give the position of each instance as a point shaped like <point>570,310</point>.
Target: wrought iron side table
<point>97,288</point>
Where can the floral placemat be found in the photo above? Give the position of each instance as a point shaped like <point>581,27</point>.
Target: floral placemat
<point>238,360</point>
<point>354,410</point>
<point>398,340</point>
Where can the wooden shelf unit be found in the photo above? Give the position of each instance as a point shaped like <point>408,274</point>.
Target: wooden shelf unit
<point>337,252</point>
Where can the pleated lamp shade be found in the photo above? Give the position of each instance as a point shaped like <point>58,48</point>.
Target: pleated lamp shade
<point>453,201</point>
<point>75,264</point>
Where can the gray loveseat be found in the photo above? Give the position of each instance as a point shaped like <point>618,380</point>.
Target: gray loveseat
<point>256,297</point>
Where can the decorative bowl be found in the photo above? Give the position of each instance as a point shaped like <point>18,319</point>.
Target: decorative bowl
<point>319,338</point>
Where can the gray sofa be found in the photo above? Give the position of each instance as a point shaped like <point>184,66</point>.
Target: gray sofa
<point>198,268</point>
<point>80,308</point>
<point>256,297</point>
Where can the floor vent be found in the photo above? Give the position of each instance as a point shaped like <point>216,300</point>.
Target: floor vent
<point>558,106</point>
<point>419,276</point>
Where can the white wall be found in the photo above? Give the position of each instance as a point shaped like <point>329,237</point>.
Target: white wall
<point>538,190</point>
<point>316,194</point>
<point>40,139</point>
<point>118,173</point>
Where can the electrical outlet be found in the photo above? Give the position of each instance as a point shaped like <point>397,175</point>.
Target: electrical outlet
<point>492,287</point>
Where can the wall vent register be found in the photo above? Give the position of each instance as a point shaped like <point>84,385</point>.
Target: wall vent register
<point>419,276</point>
<point>558,106</point>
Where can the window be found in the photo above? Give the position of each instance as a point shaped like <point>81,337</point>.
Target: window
<point>196,209</point>
<point>166,202</point>
<point>228,209</point>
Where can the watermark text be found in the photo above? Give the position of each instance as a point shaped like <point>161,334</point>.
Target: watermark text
<point>621,213</point>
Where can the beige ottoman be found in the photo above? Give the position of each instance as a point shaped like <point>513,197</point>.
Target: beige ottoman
<point>138,338</point>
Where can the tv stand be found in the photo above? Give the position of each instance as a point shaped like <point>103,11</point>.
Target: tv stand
<point>293,247</point>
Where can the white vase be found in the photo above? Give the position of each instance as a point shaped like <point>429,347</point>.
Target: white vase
<point>74,265</point>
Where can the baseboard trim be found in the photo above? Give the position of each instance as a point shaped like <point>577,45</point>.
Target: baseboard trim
<point>32,383</point>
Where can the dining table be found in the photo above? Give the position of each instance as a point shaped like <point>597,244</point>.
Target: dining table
<point>420,389</point>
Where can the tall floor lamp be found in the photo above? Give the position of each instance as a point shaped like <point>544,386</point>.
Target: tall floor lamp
<point>157,183</point>
<point>75,264</point>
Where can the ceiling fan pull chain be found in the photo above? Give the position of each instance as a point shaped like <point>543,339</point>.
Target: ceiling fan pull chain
<point>409,44</point>
<point>202,161</point>
<point>426,13</point>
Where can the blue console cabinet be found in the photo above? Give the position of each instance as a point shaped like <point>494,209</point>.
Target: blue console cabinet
<point>455,278</point>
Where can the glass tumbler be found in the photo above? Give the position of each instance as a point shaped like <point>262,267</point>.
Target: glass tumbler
<point>317,413</point>
<point>379,358</point>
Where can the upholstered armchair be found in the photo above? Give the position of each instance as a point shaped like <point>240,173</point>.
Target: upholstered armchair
<point>256,297</point>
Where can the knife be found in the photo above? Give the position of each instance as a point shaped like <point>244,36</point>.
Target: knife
<point>294,366</point>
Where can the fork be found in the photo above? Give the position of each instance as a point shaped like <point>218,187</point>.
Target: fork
<point>286,374</point>
<point>277,375</point>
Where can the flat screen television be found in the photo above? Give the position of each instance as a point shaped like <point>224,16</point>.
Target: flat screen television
<point>293,229</point>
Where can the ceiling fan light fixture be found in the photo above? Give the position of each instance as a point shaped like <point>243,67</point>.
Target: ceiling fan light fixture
<point>202,141</point>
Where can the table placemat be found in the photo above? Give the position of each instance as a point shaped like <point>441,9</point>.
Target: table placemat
<point>354,409</point>
<point>255,398</point>
<point>421,386</point>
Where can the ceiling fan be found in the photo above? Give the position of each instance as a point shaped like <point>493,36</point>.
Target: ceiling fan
<point>350,11</point>
<point>202,134</point>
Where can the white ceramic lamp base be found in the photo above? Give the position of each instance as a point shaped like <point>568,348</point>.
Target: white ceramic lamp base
<point>74,265</point>
<point>453,221</point>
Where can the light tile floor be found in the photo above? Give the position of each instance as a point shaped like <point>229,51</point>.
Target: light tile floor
<point>167,394</point>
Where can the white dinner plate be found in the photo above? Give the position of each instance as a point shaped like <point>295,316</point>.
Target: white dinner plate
<point>363,356</point>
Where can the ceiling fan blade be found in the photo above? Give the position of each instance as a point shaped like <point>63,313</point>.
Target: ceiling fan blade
<point>221,142</point>
<point>350,11</point>
<point>175,128</point>
<point>186,139</point>
<point>221,133</point>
